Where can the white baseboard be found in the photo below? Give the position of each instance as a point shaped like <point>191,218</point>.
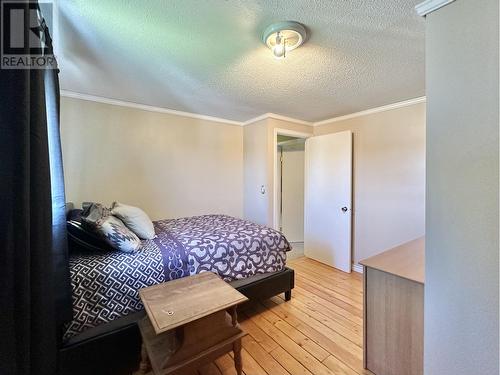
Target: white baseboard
<point>357,268</point>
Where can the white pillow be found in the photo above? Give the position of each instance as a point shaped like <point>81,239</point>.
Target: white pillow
<point>135,219</point>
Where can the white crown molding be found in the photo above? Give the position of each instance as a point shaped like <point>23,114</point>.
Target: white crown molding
<point>429,6</point>
<point>277,117</point>
<point>256,119</point>
<point>144,107</point>
<point>384,108</point>
<point>123,103</point>
<point>357,268</point>
<point>289,119</point>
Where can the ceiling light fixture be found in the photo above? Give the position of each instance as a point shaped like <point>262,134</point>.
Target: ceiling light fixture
<point>282,37</point>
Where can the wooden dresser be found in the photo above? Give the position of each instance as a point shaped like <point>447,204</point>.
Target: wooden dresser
<point>394,310</point>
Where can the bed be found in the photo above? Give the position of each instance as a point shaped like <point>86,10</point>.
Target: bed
<point>103,336</point>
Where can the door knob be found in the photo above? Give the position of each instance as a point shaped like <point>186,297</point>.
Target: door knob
<point>344,209</point>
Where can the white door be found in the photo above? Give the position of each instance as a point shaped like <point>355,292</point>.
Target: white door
<point>328,196</point>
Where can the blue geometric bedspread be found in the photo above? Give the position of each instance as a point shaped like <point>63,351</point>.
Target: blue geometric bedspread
<point>105,284</point>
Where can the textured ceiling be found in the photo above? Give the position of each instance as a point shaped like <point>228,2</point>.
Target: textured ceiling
<point>206,57</point>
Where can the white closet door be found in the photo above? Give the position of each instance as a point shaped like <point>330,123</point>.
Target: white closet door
<point>328,199</point>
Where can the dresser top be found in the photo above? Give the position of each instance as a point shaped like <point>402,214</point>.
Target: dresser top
<point>406,260</point>
<point>178,302</point>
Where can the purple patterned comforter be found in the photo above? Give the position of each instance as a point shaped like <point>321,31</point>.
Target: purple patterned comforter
<point>105,285</point>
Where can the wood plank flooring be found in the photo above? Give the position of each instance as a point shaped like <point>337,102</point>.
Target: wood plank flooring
<point>318,332</point>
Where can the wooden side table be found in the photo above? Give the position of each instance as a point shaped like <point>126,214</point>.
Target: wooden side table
<point>190,322</point>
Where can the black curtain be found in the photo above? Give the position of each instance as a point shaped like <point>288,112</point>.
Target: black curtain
<point>34,290</point>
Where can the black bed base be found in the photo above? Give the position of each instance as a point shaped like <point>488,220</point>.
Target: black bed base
<point>114,348</point>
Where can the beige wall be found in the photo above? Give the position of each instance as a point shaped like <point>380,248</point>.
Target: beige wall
<point>388,178</point>
<point>461,249</point>
<point>259,151</point>
<point>255,172</point>
<point>169,165</point>
<point>174,166</point>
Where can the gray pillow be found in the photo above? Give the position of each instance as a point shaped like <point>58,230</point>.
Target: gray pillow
<point>98,219</point>
<point>135,219</point>
<point>117,235</point>
<point>92,212</point>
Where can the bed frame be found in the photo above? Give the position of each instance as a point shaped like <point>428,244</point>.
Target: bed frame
<point>114,348</point>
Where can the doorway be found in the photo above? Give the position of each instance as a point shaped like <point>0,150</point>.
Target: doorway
<point>290,202</point>
<point>313,195</point>
<point>289,188</point>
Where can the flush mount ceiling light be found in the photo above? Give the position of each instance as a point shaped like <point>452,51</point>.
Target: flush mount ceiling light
<point>282,37</point>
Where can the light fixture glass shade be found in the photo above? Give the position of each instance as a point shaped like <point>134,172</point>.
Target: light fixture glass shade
<point>284,37</point>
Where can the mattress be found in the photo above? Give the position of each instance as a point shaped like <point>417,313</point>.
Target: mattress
<point>105,284</point>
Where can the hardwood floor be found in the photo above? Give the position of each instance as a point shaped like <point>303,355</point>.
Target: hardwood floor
<point>320,331</point>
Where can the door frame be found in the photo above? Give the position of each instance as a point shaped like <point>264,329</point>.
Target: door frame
<point>290,133</point>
